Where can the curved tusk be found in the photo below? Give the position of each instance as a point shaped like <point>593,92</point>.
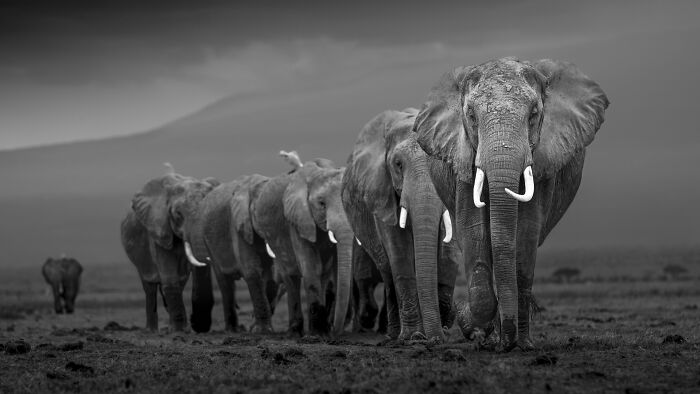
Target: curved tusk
<point>269,251</point>
<point>193,260</point>
<point>332,237</point>
<point>402,217</point>
<point>448,226</point>
<point>358,241</point>
<point>529,187</point>
<point>478,186</point>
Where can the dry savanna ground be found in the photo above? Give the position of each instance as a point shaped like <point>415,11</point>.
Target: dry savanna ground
<point>623,325</point>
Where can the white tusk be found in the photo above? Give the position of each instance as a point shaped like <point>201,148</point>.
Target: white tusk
<point>358,241</point>
<point>529,187</point>
<point>332,237</point>
<point>269,251</point>
<point>193,260</point>
<point>448,226</point>
<point>478,186</point>
<point>402,217</point>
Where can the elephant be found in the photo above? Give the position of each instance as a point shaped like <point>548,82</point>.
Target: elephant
<point>313,208</point>
<point>155,234</point>
<point>507,141</point>
<point>289,211</point>
<point>63,275</point>
<point>224,238</point>
<point>387,182</point>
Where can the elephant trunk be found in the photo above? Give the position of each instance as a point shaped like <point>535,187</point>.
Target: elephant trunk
<point>202,292</point>
<point>425,210</point>
<point>196,248</point>
<point>344,280</point>
<point>504,173</point>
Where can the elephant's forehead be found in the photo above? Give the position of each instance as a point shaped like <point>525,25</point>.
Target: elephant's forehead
<point>503,88</point>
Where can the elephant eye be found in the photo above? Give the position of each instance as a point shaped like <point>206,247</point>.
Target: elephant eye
<point>472,116</point>
<point>533,116</point>
<point>398,164</point>
<point>322,203</point>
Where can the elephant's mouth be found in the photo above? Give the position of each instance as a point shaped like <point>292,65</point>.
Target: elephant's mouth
<point>525,197</point>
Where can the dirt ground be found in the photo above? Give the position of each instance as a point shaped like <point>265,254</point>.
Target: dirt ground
<point>620,336</point>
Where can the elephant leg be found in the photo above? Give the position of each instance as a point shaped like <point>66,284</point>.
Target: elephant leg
<point>271,285</point>
<point>70,291</point>
<point>528,235</point>
<point>292,283</point>
<point>367,305</point>
<point>393,325</point>
<point>227,288</point>
<point>398,245</point>
<point>172,293</point>
<point>383,325</point>
<point>151,289</point>
<point>366,278</point>
<point>57,302</point>
<point>449,256</point>
<point>162,297</point>
<point>169,264</point>
<point>260,290</point>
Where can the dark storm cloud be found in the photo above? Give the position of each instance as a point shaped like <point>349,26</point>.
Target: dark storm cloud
<point>73,70</point>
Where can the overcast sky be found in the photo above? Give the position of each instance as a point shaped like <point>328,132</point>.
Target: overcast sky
<point>83,70</point>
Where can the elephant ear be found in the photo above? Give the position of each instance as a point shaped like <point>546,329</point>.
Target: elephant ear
<point>367,178</point>
<point>440,124</point>
<point>240,205</point>
<point>574,109</point>
<point>151,208</point>
<point>296,203</point>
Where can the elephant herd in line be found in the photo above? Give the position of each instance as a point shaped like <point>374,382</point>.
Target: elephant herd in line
<point>479,175</point>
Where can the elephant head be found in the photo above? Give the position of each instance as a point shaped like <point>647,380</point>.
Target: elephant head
<point>167,207</point>
<point>387,178</point>
<point>313,206</point>
<point>502,127</point>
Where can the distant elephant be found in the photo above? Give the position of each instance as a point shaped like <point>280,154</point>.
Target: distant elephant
<point>396,214</point>
<point>155,235</point>
<point>63,275</point>
<point>225,238</point>
<point>521,130</point>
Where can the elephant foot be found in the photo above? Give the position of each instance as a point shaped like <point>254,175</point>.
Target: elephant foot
<point>526,345</point>
<point>408,332</point>
<point>261,328</point>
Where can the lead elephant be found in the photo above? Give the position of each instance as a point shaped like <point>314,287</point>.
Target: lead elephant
<point>225,238</point>
<point>155,235</point>
<point>63,275</point>
<point>508,140</point>
<point>396,214</point>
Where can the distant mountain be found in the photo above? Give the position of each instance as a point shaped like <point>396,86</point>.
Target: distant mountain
<point>640,184</point>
